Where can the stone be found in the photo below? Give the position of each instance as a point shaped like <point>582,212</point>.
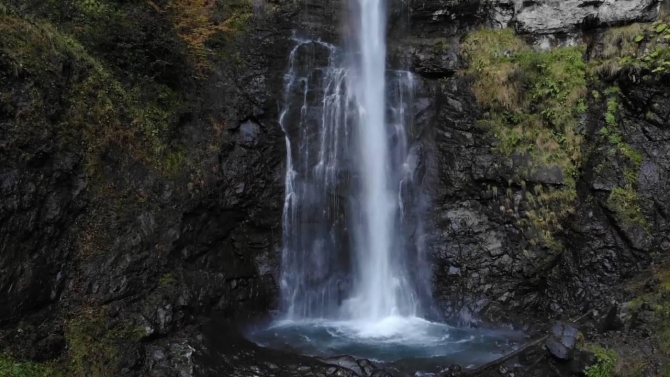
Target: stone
<point>550,175</point>
<point>249,133</point>
<point>613,320</point>
<point>581,361</point>
<point>347,362</point>
<point>367,367</point>
<point>546,16</point>
<point>557,349</point>
<point>562,340</point>
<point>454,370</point>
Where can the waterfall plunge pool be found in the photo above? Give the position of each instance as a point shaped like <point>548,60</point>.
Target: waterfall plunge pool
<point>394,339</point>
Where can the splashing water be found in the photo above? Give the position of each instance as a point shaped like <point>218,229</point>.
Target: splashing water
<point>343,181</point>
<point>381,289</point>
<point>345,282</point>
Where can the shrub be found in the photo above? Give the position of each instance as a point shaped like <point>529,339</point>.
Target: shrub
<point>606,362</point>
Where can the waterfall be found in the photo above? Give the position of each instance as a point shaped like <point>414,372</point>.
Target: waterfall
<point>345,246</point>
<point>381,288</point>
<point>354,279</point>
<point>315,122</point>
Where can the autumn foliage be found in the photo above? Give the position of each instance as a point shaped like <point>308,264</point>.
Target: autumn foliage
<point>195,25</point>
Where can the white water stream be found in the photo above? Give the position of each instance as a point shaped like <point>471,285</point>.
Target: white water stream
<point>344,248</point>
<point>381,290</point>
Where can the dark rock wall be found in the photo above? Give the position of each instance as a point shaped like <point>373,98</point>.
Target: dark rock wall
<point>112,243</point>
<point>100,236</point>
<point>485,264</point>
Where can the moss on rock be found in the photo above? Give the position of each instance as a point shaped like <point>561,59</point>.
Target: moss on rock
<point>533,102</point>
<point>95,343</point>
<point>10,367</point>
<point>100,110</point>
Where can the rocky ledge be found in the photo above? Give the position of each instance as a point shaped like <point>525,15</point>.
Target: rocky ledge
<point>440,18</point>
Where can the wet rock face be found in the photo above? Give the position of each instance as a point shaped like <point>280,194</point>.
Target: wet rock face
<point>181,248</point>
<point>552,17</point>
<point>135,244</point>
<point>444,18</point>
<point>483,262</point>
<point>41,194</point>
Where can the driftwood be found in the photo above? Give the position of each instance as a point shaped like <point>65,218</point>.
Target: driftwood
<point>501,360</point>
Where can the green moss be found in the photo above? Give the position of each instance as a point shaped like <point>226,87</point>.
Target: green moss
<point>13,368</point>
<point>610,115</point>
<point>95,343</point>
<point>100,109</point>
<point>624,202</point>
<point>90,6</point>
<point>614,138</point>
<point>534,100</point>
<point>167,280</point>
<point>606,362</point>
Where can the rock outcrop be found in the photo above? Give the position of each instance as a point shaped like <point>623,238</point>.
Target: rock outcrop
<point>441,18</point>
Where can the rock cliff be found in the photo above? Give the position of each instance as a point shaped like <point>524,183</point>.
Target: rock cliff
<point>142,172</point>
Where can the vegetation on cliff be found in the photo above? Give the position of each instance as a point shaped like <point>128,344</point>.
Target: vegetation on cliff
<point>639,51</point>
<point>578,108</point>
<point>114,99</point>
<point>110,83</point>
<point>535,105</point>
<point>533,102</point>
<point>13,368</point>
<point>606,361</point>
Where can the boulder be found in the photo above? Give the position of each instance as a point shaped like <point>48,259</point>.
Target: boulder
<point>561,342</point>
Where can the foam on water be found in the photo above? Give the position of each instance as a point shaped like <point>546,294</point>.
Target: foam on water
<point>389,339</point>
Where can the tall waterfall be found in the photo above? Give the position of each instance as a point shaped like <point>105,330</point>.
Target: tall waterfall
<point>353,276</point>
<point>345,241</point>
<point>380,290</point>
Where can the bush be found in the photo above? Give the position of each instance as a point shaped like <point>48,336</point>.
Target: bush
<point>606,364</point>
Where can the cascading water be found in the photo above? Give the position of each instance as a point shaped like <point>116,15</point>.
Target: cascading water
<point>350,222</point>
<point>314,121</point>
<point>381,289</point>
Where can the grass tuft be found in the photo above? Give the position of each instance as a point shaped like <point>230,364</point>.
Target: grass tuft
<point>635,50</point>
